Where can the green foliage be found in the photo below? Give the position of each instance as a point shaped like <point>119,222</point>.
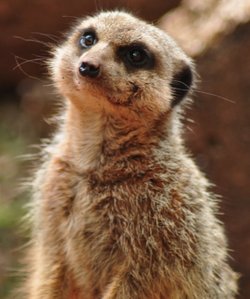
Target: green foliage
<point>12,201</point>
<point>11,213</point>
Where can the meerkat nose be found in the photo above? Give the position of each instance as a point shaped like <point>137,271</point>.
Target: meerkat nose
<point>89,69</point>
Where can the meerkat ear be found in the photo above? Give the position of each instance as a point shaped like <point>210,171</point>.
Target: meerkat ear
<point>181,84</point>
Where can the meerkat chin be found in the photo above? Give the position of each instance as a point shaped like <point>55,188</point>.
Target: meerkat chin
<point>120,210</point>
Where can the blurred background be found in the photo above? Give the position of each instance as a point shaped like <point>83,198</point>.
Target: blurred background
<point>214,32</point>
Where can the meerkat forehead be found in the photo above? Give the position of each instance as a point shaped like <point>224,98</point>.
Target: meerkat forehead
<point>122,28</point>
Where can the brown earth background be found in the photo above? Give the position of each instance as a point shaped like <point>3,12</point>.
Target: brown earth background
<point>215,32</point>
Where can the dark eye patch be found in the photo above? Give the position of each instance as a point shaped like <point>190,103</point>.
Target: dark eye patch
<point>136,56</point>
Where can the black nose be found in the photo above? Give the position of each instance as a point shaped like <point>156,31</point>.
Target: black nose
<point>88,69</point>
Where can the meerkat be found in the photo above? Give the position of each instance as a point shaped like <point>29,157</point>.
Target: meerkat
<point>120,210</point>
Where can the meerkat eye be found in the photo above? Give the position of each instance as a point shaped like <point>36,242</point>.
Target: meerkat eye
<point>87,40</point>
<point>136,56</point>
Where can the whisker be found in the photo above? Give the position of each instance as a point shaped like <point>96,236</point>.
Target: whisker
<point>48,35</point>
<point>204,92</point>
<point>72,17</point>
<point>19,66</point>
<point>98,6</point>
<point>34,40</point>
<point>215,95</point>
<point>48,84</point>
<point>24,61</point>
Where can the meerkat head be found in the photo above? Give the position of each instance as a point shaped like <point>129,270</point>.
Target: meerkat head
<point>116,58</point>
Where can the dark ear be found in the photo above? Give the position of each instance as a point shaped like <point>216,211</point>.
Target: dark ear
<point>181,84</point>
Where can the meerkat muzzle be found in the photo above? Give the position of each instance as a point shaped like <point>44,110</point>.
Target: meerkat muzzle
<point>89,69</point>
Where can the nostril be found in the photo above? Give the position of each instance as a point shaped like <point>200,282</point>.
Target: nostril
<point>88,69</point>
<point>84,68</point>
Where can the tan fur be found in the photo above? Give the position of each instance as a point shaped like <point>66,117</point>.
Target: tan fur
<point>120,211</point>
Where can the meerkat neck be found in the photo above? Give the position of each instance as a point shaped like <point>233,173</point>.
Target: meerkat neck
<point>83,137</point>
<point>95,137</point>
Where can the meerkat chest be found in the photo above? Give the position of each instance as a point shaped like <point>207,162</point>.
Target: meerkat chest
<point>109,209</point>
<point>137,215</point>
<point>121,218</point>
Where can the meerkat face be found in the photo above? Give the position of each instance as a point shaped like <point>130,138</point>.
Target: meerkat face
<point>118,58</point>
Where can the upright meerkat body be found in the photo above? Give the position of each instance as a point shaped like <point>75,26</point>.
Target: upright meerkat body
<point>120,209</point>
